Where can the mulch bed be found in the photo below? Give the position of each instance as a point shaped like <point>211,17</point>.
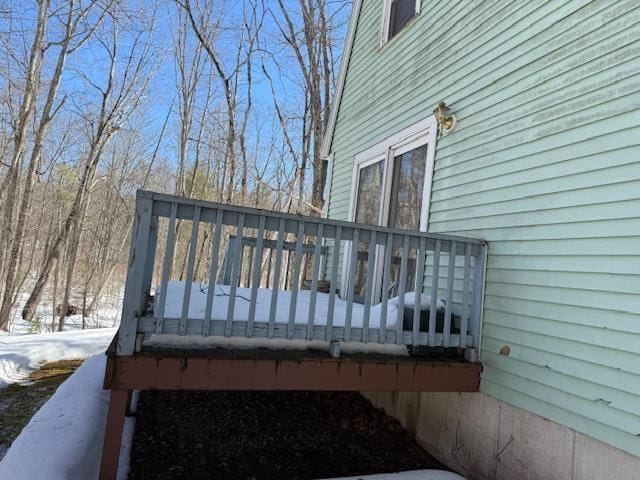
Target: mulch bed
<point>267,436</point>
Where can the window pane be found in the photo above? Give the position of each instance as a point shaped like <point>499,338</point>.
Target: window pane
<point>406,190</point>
<point>369,203</point>
<point>402,11</point>
<point>369,194</point>
<point>406,208</point>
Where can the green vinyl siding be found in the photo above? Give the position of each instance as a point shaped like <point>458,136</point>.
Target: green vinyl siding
<point>545,165</point>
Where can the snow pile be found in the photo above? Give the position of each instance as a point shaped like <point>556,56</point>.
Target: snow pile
<point>413,475</point>
<point>63,440</point>
<point>197,305</point>
<point>21,354</point>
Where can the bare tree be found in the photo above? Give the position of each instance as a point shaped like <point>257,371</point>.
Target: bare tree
<point>311,43</point>
<point>118,99</point>
<point>24,116</point>
<point>205,30</point>
<point>76,32</point>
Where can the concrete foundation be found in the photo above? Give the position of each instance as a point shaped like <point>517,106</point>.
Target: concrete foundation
<point>486,439</point>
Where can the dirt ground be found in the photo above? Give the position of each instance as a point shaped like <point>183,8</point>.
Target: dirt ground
<point>19,402</point>
<point>267,436</point>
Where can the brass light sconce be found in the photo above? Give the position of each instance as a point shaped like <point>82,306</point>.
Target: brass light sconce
<point>446,120</point>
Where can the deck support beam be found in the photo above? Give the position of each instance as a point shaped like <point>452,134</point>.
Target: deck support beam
<point>118,406</point>
<point>268,371</point>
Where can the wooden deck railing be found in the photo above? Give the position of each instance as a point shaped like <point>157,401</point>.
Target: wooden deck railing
<point>278,268</point>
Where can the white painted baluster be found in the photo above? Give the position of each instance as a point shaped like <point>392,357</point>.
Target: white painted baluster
<point>213,274</point>
<point>451,271</point>
<point>193,248</point>
<point>236,258</point>
<point>371,265</point>
<point>351,284</point>
<point>333,284</point>
<point>296,279</point>
<point>419,281</point>
<point>465,296</point>
<point>276,278</point>
<point>166,267</point>
<point>388,250</point>
<point>317,258</point>
<point>433,308</point>
<point>402,284</point>
<point>257,264</point>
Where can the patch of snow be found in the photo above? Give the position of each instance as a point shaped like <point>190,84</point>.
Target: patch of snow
<point>197,305</point>
<point>242,343</point>
<point>425,301</point>
<point>63,440</point>
<point>412,475</point>
<point>124,461</point>
<point>22,354</point>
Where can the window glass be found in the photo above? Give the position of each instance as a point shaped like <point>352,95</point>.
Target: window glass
<point>406,209</point>
<point>368,207</point>
<point>401,12</point>
<point>406,189</point>
<point>370,194</point>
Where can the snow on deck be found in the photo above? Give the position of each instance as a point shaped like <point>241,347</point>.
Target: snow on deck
<point>22,354</point>
<point>197,304</point>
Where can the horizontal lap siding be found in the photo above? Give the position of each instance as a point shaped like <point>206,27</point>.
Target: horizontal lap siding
<point>545,165</point>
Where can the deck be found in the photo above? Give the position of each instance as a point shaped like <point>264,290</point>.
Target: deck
<point>261,369</point>
<point>220,297</point>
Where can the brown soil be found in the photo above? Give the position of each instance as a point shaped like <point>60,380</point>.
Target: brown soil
<point>267,435</point>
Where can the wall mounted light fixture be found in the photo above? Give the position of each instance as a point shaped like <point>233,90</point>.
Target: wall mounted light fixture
<point>446,120</point>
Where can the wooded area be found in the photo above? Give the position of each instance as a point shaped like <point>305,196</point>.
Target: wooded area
<point>215,99</point>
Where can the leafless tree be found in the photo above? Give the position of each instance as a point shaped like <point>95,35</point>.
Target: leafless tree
<point>119,98</point>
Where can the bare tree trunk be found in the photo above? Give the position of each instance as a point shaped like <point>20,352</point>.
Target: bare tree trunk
<point>117,101</point>
<point>24,117</point>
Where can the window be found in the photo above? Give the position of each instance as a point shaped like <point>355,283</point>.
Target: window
<point>368,209</point>
<point>396,15</point>
<point>392,187</point>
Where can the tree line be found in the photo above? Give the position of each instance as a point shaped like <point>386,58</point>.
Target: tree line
<point>225,100</point>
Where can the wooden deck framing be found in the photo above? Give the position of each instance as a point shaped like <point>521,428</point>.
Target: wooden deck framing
<point>219,369</point>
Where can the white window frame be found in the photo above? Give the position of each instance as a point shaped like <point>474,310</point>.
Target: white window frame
<point>386,19</point>
<point>424,132</point>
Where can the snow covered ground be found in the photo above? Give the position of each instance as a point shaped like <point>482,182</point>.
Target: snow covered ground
<point>105,315</point>
<point>413,475</point>
<point>22,354</point>
<point>63,440</point>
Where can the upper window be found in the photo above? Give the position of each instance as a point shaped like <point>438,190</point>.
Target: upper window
<point>396,15</point>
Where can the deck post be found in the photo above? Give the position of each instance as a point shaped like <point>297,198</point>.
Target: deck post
<point>118,402</point>
<point>139,273</point>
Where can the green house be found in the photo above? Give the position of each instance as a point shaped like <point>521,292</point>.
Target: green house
<point>539,155</point>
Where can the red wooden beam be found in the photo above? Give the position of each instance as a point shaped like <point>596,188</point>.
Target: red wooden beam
<point>149,372</point>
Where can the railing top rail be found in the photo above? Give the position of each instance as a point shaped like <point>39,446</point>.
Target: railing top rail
<point>163,197</point>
